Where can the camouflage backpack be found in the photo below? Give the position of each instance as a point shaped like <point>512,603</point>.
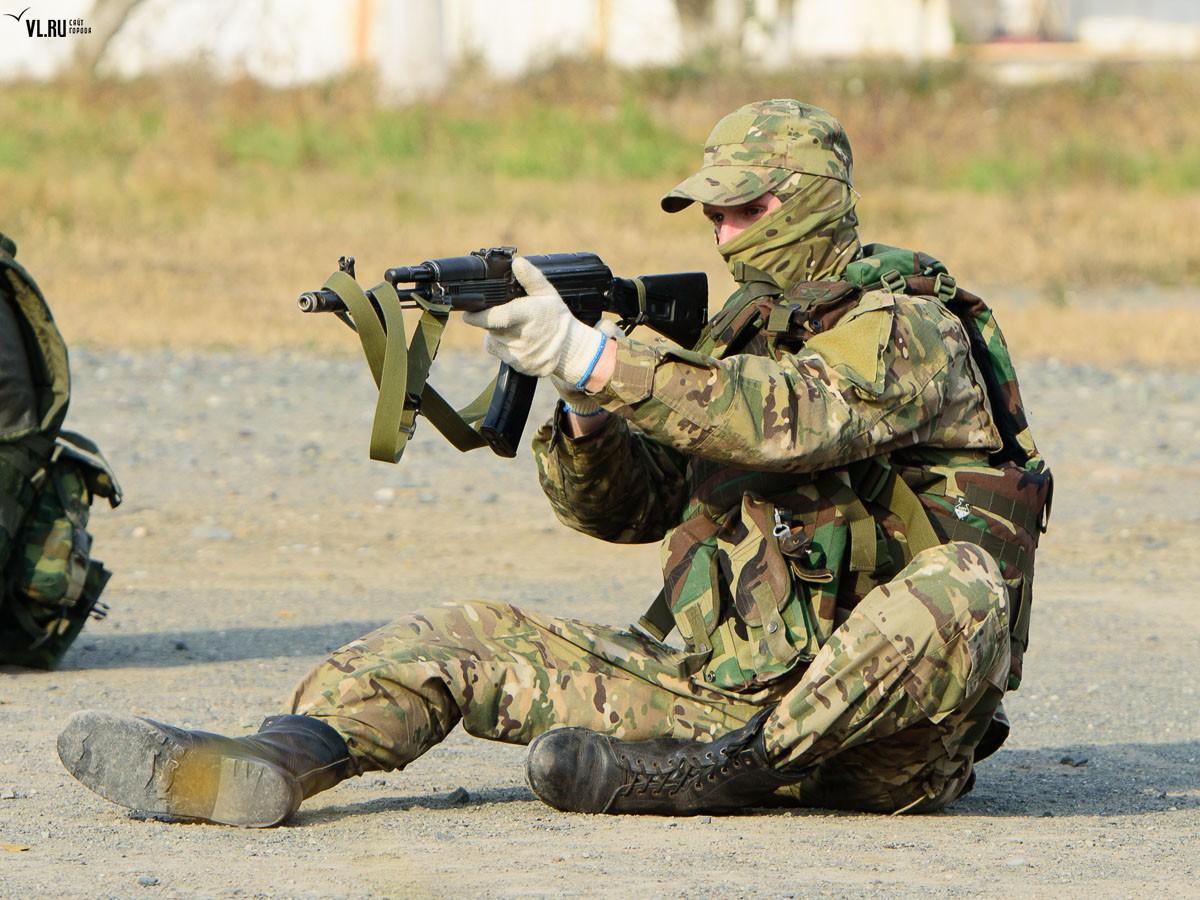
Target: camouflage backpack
<point>1002,503</point>
<point>48,479</point>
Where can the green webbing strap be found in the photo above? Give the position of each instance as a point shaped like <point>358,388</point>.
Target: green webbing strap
<point>944,287</point>
<point>642,316</point>
<point>893,281</point>
<point>401,371</point>
<point>754,285</point>
<point>898,497</point>
<point>876,480</point>
<point>425,341</point>
<point>698,642</point>
<point>778,324</point>
<point>456,425</point>
<point>864,549</point>
<point>744,273</point>
<point>657,620</point>
<point>780,319</point>
<point>756,290</point>
<point>390,431</point>
<point>387,356</point>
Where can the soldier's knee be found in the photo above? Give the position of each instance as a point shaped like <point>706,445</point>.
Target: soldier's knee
<point>459,623</point>
<point>465,616</point>
<point>964,575</point>
<point>962,615</point>
<point>451,613</point>
<point>949,608</point>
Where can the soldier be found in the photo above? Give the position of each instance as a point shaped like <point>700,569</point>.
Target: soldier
<point>840,650</point>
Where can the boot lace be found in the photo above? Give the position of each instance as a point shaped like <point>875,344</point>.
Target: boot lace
<point>698,770</point>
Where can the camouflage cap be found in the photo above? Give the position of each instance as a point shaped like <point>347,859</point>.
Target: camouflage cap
<point>756,148</point>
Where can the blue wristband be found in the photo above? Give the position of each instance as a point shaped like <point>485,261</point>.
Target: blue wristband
<point>587,373</point>
<point>567,408</point>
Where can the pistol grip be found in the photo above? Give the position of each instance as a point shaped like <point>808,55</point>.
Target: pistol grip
<point>508,412</point>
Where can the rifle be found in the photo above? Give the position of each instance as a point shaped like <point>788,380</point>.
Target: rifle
<point>675,305</point>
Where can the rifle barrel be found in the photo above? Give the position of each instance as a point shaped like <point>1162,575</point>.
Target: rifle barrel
<point>326,301</point>
<point>320,301</point>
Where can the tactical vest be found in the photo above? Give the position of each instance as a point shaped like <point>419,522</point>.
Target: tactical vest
<point>796,553</point>
<point>48,478</point>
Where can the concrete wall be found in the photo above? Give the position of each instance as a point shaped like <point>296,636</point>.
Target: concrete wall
<point>1152,27</point>
<point>416,44</point>
<point>1138,27</point>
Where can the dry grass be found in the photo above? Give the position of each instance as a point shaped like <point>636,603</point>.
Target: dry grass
<point>183,213</point>
<point>232,282</point>
<point>1164,336</point>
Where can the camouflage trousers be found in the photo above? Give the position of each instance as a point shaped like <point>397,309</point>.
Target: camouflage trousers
<point>885,718</point>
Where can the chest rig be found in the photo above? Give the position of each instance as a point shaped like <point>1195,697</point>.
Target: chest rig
<point>766,565</point>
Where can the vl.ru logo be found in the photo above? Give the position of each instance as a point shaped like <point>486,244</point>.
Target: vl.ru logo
<point>49,28</point>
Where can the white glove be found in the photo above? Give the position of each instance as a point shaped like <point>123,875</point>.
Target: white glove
<point>536,334</point>
<point>580,402</point>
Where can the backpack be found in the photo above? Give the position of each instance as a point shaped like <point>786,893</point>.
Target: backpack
<point>49,584</point>
<point>1002,505</point>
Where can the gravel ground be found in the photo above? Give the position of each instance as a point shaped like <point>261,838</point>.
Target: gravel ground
<point>257,535</point>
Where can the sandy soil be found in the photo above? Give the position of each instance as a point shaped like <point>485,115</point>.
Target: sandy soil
<point>257,535</point>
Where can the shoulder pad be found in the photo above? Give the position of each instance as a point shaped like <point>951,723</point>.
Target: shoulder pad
<point>855,345</point>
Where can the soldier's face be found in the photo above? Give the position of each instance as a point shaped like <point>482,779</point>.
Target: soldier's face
<point>730,221</point>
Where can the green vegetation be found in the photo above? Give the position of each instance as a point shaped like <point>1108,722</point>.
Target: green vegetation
<point>68,125</point>
<point>933,127</point>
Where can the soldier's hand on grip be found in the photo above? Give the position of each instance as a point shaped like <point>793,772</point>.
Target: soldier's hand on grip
<point>536,334</point>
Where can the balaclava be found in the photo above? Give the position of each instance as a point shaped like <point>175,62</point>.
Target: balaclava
<point>802,155</point>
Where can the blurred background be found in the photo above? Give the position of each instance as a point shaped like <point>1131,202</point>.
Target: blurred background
<point>175,173</point>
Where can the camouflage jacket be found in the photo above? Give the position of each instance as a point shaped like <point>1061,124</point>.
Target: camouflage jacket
<point>740,457</point>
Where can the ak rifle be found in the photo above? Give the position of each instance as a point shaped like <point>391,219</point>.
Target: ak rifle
<point>675,305</point>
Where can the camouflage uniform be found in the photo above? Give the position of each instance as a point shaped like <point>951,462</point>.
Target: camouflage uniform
<point>744,457</point>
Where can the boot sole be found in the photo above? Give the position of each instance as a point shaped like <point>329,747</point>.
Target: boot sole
<point>134,763</point>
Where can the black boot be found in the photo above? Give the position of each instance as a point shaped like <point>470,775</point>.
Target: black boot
<point>255,781</point>
<point>577,770</point>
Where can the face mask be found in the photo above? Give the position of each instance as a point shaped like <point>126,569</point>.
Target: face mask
<point>812,237</point>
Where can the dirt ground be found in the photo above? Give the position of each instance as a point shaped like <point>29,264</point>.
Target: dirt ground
<point>257,535</point>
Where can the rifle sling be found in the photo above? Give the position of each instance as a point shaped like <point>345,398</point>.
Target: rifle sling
<point>457,426</point>
<point>401,370</point>
<point>658,621</point>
